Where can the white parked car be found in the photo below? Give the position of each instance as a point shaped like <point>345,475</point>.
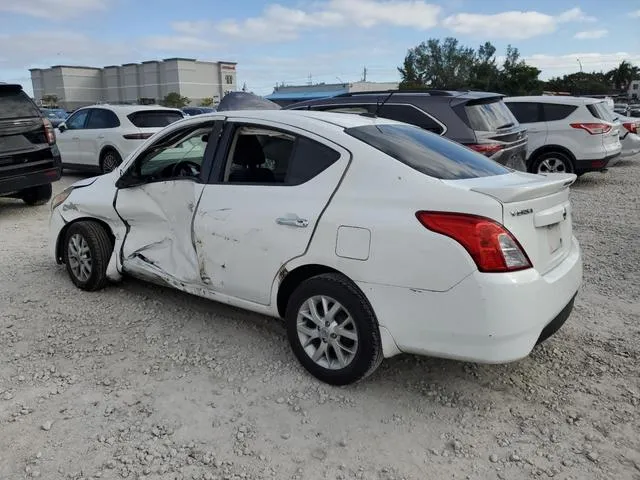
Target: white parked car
<point>629,135</point>
<point>567,134</point>
<point>369,237</point>
<point>101,136</point>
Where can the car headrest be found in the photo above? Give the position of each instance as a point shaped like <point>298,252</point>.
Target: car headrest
<point>248,151</point>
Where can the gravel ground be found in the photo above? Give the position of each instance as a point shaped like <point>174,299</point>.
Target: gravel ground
<point>138,381</point>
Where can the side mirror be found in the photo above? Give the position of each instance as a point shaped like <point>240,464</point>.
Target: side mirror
<point>62,127</point>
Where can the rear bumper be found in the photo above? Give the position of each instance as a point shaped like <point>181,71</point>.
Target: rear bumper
<point>513,157</point>
<point>17,183</point>
<point>489,318</point>
<point>595,165</point>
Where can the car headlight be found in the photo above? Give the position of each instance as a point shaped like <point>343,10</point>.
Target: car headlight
<point>60,198</point>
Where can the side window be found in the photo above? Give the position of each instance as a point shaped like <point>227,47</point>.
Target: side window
<point>176,155</point>
<point>526,112</point>
<point>101,118</point>
<point>554,111</point>
<point>77,120</point>
<point>411,115</point>
<point>265,156</point>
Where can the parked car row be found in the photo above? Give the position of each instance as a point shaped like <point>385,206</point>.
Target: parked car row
<point>541,134</point>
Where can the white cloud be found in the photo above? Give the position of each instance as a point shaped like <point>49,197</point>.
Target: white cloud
<point>635,14</point>
<point>280,23</point>
<point>516,25</point>
<point>575,15</point>
<point>553,65</point>
<point>591,34</point>
<point>52,9</point>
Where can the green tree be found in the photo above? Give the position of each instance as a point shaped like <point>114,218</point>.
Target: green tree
<point>175,100</point>
<point>516,77</point>
<point>623,75</point>
<point>580,83</point>
<point>50,100</point>
<point>485,74</point>
<point>206,102</point>
<point>435,64</point>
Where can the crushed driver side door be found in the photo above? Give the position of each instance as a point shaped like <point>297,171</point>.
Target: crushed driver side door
<point>157,198</point>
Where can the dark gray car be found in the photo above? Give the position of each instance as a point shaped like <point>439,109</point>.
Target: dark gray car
<point>478,120</point>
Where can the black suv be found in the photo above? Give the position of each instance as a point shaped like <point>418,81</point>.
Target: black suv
<point>478,120</point>
<point>29,157</point>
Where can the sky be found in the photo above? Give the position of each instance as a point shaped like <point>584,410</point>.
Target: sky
<point>297,41</point>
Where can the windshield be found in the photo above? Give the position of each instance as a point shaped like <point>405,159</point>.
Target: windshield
<point>489,116</point>
<point>427,152</point>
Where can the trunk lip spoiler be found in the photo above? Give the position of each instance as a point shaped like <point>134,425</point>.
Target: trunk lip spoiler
<point>529,188</point>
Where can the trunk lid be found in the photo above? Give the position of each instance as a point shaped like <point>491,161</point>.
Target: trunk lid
<point>536,210</point>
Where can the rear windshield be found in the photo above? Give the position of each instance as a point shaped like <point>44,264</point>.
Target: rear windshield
<point>16,104</point>
<point>489,116</point>
<point>600,110</point>
<point>427,152</point>
<point>154,118</point>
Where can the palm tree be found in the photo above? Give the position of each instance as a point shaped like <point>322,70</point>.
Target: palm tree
<point>623,75</point>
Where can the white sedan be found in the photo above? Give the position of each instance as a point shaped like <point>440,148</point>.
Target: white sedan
<point>100,137</point>
<point>368,236</point>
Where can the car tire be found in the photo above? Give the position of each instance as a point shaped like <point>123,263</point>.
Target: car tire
<point>341,343</point>
<point>39,195</point>
<point>86,253</point>
<point>109,160</point>
<point>552,162</point>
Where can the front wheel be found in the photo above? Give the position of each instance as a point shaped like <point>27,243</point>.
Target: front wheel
<point>552,162</point>
<point>109,161</point>
<point>332,330</point>
<point>37,195</point>
<point>87,250</point>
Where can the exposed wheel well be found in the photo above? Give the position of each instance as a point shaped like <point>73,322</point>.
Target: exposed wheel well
<point>63,232</point>
<point>296,277</point>
<point>548,149</point>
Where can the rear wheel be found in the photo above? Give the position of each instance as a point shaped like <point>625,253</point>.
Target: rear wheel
<point>86,253</point>
<point>552,162</point>
<point>37,195</point>
<point>109,160</point>
<point>332,330</point>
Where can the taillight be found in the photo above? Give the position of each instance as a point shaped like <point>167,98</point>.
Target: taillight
<point>49,133</point>
<point>593,128</point>
<point>487,149</point>
<point>492,247</point>
<point>138,136</point>
<point>632,127</point>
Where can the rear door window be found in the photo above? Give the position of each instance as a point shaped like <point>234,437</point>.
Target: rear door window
<point>16,104</point>
<point>554,111</point>
<point>101,118</point>
<point>489,116</point>
<point>426,152</point>
<point>154,118</point>
<point>526,112</point>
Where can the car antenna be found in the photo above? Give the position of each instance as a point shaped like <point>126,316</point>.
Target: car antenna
<point>379,106</point>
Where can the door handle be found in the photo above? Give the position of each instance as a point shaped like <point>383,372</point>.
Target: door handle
<point>75,138</point>
<point>100,137</point>
<point>293,221</point>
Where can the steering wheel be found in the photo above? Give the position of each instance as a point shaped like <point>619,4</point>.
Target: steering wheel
<point>185,168</point>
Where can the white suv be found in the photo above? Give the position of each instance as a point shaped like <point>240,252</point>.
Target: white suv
<point>101,136</point>
<point>567,134</point>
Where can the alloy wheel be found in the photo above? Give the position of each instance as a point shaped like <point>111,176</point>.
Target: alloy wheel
<point>552,165</point>
<point>109,162</point>
<point>79,257</point>
<point>327,332</point>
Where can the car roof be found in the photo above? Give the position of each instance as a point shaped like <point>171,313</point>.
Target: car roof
<point>556,99</point>
<point>343,120</point>
<point>127,109</point>
<point>471,94</point>
<point>10,86</point>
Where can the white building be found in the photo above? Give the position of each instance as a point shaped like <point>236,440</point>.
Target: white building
<point>150,82</point>
<point>634,89</point>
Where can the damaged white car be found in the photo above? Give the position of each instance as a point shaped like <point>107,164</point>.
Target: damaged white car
<point>368,236</point>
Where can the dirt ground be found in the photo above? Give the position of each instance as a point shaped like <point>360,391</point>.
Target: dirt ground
<point>138,381</point>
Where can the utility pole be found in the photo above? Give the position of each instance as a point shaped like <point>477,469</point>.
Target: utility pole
<point>310,82</point>
<point>364,74</point>
<point>579,63</point>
